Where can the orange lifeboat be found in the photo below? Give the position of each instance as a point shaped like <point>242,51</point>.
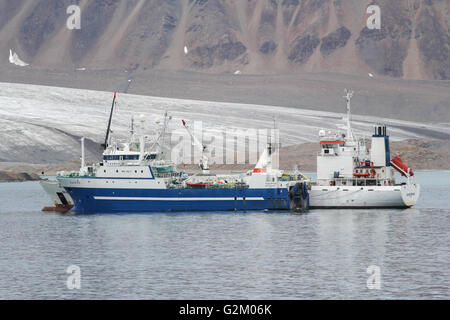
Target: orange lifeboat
<point>401,167</point>
<point>362,174</point>
<point>366,174</point>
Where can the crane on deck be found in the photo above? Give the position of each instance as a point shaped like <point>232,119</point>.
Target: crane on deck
<point>203,148</point>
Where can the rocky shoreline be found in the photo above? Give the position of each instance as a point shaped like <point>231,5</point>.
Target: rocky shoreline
<point>8,176</point>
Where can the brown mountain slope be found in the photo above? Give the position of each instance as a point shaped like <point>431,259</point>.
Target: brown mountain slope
<point>254,36</point>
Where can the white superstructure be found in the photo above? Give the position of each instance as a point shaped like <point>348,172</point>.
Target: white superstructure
<point>350,175</point>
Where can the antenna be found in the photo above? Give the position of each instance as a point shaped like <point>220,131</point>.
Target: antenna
<point>105,145</point>
<point>160,139</point>
<point>274,143</point>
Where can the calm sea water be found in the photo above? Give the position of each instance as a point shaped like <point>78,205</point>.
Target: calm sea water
<point>261,255</point>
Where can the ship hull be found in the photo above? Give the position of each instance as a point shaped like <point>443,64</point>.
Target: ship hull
<point>142,200</point>
<point>367,197</point>
<point>61,199</point>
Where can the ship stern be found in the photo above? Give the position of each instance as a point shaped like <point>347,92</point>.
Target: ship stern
<point>410,193</point>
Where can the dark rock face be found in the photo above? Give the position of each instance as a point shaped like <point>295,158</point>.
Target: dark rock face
<point>386,49</point>
<point>268,47</point>
<point>335,40</point>
<point>170,23</point>
<point>303,48</point>
<point>290,3</point>
<point>230,50</point>
<point>434,44</point>
<point>217,41</point>
<point>200,2</point>
<point>226,50</point>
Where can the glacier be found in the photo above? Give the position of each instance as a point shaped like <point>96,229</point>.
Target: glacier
<point>42,124</point>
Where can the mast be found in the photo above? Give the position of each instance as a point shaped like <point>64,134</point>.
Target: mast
<point>167,118</point>
<point>83,157</point>
<point>160,140</point>
<point>141,148</point>
<point>105,145</point>
<point>348,96</point>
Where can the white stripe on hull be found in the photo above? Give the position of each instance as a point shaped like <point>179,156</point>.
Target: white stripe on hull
<point>177,199</point>
<point>112,183</point>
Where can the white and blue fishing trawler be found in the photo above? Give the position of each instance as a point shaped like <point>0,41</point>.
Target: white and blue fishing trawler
<point>136,176</point>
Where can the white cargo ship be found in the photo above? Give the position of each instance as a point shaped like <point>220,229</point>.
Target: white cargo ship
<point>350,175</point>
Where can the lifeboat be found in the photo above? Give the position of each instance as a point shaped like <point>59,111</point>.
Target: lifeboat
<point>362,174</point>
<point>401,167</point>
<point>371,174</point>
